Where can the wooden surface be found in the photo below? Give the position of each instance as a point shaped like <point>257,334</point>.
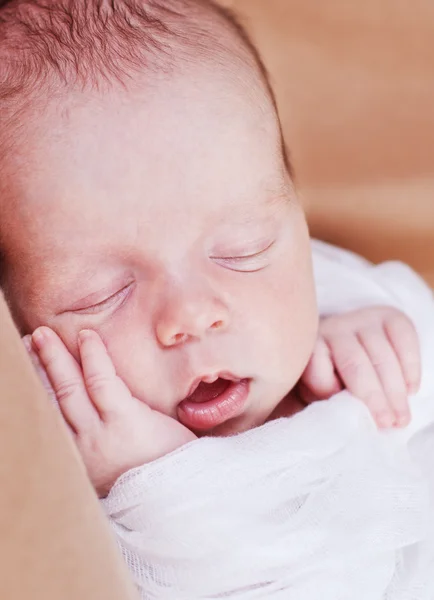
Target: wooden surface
<point>55,543</point>
<point>355,86</point>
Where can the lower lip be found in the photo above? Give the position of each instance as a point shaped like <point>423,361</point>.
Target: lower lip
<point>207,415</point>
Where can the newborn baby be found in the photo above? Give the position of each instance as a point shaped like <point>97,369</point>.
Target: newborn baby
<point>152,243</point>
<point>148,210</point>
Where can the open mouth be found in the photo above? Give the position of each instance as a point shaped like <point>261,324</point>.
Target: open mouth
<point>211,404</point>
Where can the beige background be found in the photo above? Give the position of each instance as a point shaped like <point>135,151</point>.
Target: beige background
<point>355,86</point>
<point>55,543</point>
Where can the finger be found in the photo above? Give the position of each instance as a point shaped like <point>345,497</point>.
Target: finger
<point>360,378</point>
<point>306,395</point>
<point>107,391</point>
<point>319,380</point>
<point>66,379</point>
<point>41,372</point>
<point>404,339</point>
<point>389,372</point>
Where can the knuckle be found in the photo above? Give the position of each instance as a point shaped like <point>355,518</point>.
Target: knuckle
<point>396,319</point>
<point>67,388</point>
<point>391,312</point>
<point>350,369</point>
<point>97,382</point>
<point>381,364</point>
<point>91,445</point>
<point>329,325</point>
<point>376,401</point>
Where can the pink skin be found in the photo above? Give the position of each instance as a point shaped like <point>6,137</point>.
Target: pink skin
<point>171,229</point>
<point>373,352</point>
<point>114,431</point>
<point>181,214</point>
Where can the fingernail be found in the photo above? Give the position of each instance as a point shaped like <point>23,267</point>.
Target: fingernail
<point>413,388</point>
<point>27,341</point>
<point>83,335</point>
<point>385,420</point>
<point>39,337</point>
<point>402,419</point>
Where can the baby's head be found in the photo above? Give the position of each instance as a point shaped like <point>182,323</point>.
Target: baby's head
<point>145,194</point>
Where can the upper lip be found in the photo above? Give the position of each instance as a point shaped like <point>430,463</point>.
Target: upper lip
<point>209,378</point>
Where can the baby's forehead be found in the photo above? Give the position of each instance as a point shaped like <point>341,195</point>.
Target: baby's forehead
<point>56,74</point>
<point>193,122</point>
<point>186,149</point>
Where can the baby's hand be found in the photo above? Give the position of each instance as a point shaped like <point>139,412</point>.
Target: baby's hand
<point>373,353</point>
<point>114,431</point>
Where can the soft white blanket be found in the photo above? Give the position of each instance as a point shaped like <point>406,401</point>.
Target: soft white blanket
<point>320,506</point>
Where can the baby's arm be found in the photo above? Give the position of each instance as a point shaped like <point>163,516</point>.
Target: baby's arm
<point>372,352</point>
<point>114,431</point>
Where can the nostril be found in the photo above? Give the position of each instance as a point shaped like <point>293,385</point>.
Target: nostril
<point>179,338</point>
<point>217,325</point>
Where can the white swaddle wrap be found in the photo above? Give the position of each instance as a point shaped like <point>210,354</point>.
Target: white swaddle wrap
<point>320,506</point>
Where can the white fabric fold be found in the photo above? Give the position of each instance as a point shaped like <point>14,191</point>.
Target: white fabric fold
<point>320,506</point>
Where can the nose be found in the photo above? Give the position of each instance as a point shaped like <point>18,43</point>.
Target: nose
<point>184,317</point>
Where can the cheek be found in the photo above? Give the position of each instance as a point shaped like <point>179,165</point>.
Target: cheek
<point>128,344</point>
<point>299,313</point>
<point>288,296</point>
<point>297,301</point>
<point>125,343</point>
<point>139,362</point>
<point>282,302</point>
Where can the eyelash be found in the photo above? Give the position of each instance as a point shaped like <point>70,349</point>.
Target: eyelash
<point>106,303</point>
<point>122,293</point>
<point>244,259</point>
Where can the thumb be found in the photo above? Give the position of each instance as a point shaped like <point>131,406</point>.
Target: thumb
<point>319,380</point>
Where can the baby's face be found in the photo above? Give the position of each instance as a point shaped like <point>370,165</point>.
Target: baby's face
<point>167,223</point>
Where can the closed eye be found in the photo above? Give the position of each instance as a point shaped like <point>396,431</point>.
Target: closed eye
<point>247,263</point>
<point>113,301</point>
